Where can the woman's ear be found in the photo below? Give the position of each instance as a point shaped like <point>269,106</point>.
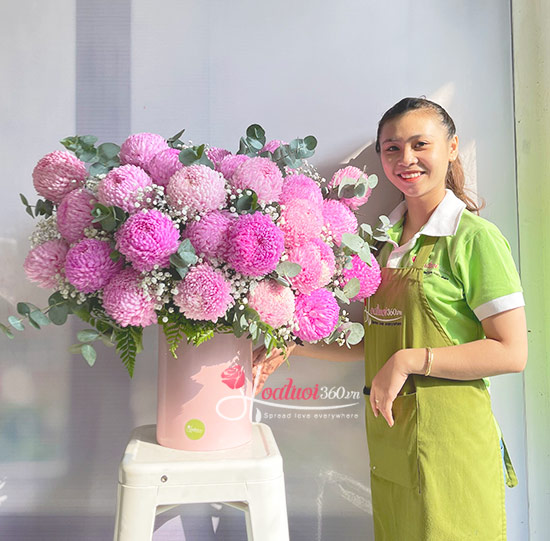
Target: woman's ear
<point>453,148</point>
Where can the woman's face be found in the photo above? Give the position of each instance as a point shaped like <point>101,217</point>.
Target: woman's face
<point>415,152</point>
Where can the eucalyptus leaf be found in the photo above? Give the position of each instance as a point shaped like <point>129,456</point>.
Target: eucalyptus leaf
<point>310,142</point>
<point>288,269</point>
<point>98,169</point>
<point>182,271</point>
<point>23,308</point>
<point>88,140</point>
<point>385,220</point>
<point>254,143</point>
<point>282,281</point>
<point>88,335</point>
<point>16,323</point>
<point>29,212</point>
<point>352,241</point>
<point>89,354</point>
<point>56,298</point>
<point>39,318</point>
<point>360,190</point>
<point>115,255</point>
<point>355,334</point>
<point>6,330</point>
<point>346,192</point>
<point>372,181</point>
<point>251,314</point>
<point>58,314</point>
<point>188,156</point>
<point>186,246</point>
<point>366,228</point>
<point>107,151</point>
<point>108,224</point>
<point>75,348</point>
<point>255,131</point>
<point>175,138</point>
<point>23,199</point>
<point>339,294</point>
<point>87,155</point>
<point>34,324</point>
<point>365,254</point>
<point>351,289</point>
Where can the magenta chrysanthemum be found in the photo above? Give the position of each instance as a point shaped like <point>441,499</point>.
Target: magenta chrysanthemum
<point>261,175</point>
<point>57,174</point>
<point>273,145</point>
<point>274,302</point>
<point>230,163</point>
<point>88,266</point>
<point>126,302</point>
<point>163,165</point>
<point>339,219</point>
<point>74,214</point>
<point>196,187</point>
<point>301,220</point>
<point>368,275</point>
<point>316,315</point>
<point>148,238</point>
<point>209,235</point>
<point>139,148</point>
<point>121,187</point>
<point>350,172</point>
<point>255,244</point>
<point>216,155</point>
<point>301,187</point>
<point>45,261</point>
<point>204,294</point>
<point>318,264</point>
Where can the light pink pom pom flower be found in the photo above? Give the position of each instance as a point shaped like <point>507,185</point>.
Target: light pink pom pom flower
<point>121,187</point>
<point>229,164</point>
<point>198,188</point>
<point>351,172</point>
<point>57,174</point>
<point>163,165</point>
<point>273,302</point>
<point>316,315</point>
<point>368,275</point>
<point>301,187</point>
<point>148,238</point>
<point>126,302</point>
<point>261,175</point>
<point>88,266</point>
<point>139,148</point>
<point>74,214</point>
<point>208,236</point>
<point>273,145</point>
<point>318,264</point>
<point>301,220</point>
<point>204,294</point>
<point>255,244</point>
<point>45,261</point>
<point>339,219</point>
<point>216,155</point>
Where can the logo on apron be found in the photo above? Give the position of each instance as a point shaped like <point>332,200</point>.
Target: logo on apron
<point>378,315</point>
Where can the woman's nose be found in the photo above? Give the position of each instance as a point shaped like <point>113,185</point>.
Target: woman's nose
<point>407,157</point>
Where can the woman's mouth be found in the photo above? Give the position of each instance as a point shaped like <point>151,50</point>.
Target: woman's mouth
<point>410,177</point>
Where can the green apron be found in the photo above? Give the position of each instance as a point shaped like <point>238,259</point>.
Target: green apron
<point>437,473</point>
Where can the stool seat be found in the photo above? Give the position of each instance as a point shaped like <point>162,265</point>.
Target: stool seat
<point>153,479</point>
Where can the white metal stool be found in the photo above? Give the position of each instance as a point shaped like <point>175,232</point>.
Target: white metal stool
<point>153,479</point>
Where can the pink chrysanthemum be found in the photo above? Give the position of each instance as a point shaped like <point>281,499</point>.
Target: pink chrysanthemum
<point>328,261</point>
<point>318,264</point>
<point>230,163</point>
<point>209,235</point>
<point>57,174</point>
<point>301,187</point>
<point>274,302</point>
<point>216,155</point>
<point>74,214</point>
<point>148,238</point>
<point>301,220</point>
<point>204,294</point>
<point>139,148</point>
<point>126,302</point>
<point>261,175</point>
<point>121,187</point>
<point>88,266</point>
<point>255,244</point>
<point>163,165</point>
<point>339,219</point>
<point>45,261</point>
<point>368,275</point>
<point>351,172</point>
<point>273,145</point>
<point>196,187</point>
<point>316,315</point>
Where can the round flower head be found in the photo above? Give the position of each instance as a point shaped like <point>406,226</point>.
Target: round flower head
<point>316,315</point>
<point>350,172</point>
<point>139,148</point>
<point>230,163</point>
<point>122,186</point>
<point>318,265</point>
<point>216,155</point>
<point>163,165</point>
<point>301,220</point>
<point>148,238</point>
<point>261,175</point>
<point>44,262</point>
<point>274,302</point>
<point>339,219</point>
<point>74,214</point>
<point>368,275</point>
<point>273,145</point>
<point>196,187</point>
<point>255,244</point>
<point>301,187</point>
<point>88,266</point>
<point>208,236</point>
<point>57,174</point>
<point>204,294</point>
<point>126,302</point>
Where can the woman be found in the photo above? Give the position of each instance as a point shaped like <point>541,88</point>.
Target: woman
<point>449,312</point>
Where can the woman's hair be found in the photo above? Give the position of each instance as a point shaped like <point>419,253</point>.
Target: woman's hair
<point>455,179</point>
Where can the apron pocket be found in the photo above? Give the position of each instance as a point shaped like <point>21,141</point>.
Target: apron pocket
<point>393,451</point>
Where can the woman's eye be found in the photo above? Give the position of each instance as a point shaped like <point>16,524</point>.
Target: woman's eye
<point>393,148</point>
<point>421,144</point>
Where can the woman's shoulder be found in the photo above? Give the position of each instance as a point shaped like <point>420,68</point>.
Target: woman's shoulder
<point>473,226</point>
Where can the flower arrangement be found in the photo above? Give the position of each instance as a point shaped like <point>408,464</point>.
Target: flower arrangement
<point>199,240</point>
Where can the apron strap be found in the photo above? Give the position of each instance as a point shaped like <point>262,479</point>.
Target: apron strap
<point>424,252</point>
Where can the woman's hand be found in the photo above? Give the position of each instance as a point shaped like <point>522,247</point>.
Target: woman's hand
<point>267,365</point>
<point>387,384</point>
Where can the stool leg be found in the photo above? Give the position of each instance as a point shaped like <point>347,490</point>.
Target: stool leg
<point>135,515</point>
<point>266,518</point>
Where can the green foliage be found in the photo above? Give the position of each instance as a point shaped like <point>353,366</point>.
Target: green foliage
<point>43,207</point>
<point>128,345</point>
<point>174,141</point>
<point>109,218</point>
<point>101,159</point>
<point>350,187</point>
<point>253,142</point>
<point>195,156</point>
<point>247,202</point>
<point>183,258</point>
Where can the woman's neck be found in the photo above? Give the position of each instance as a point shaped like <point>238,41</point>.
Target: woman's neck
<point>418,213</point>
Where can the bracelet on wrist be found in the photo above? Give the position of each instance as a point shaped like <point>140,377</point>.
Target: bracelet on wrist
<point>429,361</point>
